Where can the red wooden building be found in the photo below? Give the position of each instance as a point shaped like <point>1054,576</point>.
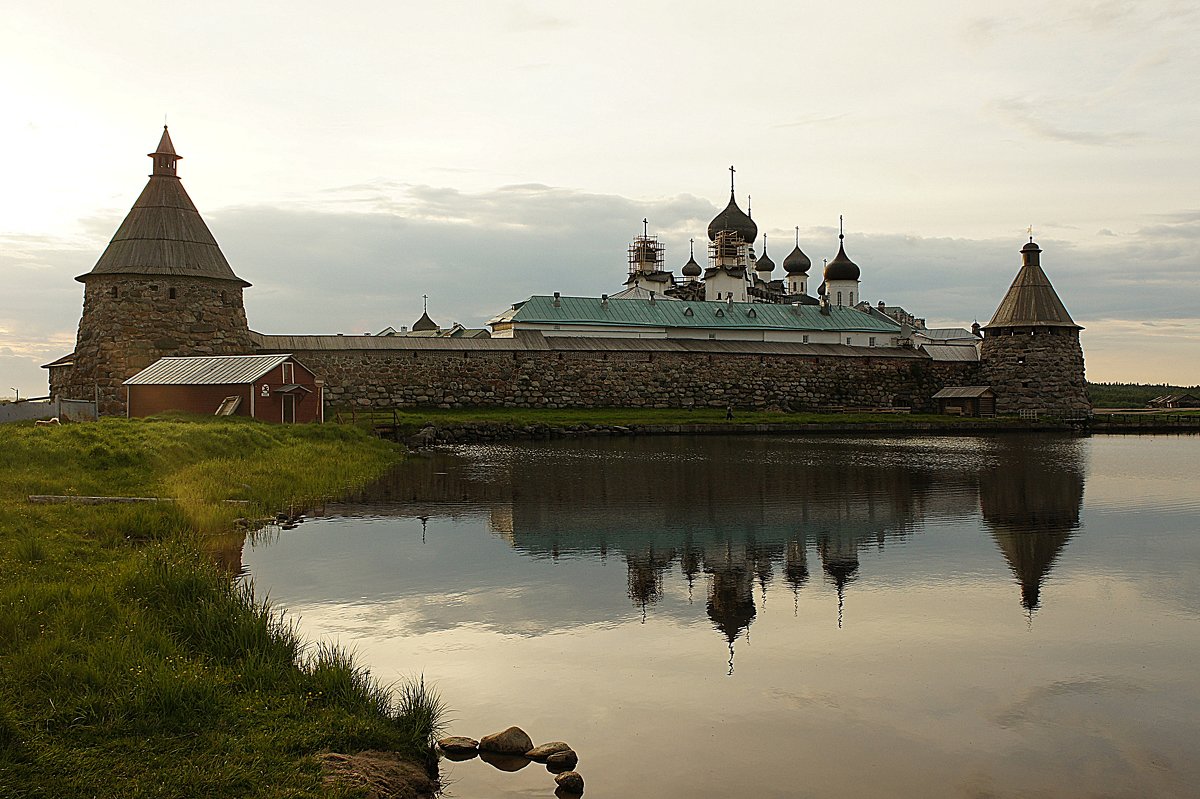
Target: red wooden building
<point>271,388</point>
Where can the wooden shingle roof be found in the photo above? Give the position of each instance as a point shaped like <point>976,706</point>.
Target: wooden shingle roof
<point>164,234</point>
<point>1031,301</point>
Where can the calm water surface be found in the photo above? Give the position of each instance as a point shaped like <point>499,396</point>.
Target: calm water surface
<point>826,617</point>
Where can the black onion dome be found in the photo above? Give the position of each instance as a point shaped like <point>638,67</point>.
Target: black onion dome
<point>797,263</point>
<point>733,219</point>
<point>691,268</point>
<point>841,267</point>
<point>764,264</point>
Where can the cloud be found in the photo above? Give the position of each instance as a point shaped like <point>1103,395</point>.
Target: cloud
<point>1022,114</point>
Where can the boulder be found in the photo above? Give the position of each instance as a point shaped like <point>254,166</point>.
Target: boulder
<point>458,745</point>
<point>540,753</point>
<point>563,761</point>
<point>570,782</point>
<point>512,741</point>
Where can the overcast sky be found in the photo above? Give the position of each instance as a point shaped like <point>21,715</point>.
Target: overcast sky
<point>351,158</point>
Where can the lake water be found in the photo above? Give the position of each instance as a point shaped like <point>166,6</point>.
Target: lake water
<point>1000,616</point>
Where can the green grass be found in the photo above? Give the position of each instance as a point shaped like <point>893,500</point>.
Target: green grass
<point>130,664</point>
<point>411,420</point>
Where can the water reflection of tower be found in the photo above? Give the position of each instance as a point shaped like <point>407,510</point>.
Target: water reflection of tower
<point>646,568</point>
<point>839,559</point>
<point>1030,504</point>
<point>795,570</point>
<point>730,591</point>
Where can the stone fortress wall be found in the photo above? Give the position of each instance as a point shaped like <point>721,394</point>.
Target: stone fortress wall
<point>446,378</point>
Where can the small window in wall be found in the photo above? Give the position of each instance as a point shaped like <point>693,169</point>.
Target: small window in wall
<point>114,291</point>
<point>154,287</point>
<point>805,339</point>
<point>871,341</point>
<point>1020,360</point>
<point>840,302</point>
<point>847,339</point>
<point>171,292</point>
<point>289,373</point>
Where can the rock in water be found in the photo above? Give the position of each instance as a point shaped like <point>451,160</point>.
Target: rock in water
<point>563,761</point>
<point>512,741</point>
<point>458,745</point>
<point>570,781</point>
<point>540,753</point>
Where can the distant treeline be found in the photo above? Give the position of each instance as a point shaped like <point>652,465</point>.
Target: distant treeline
<point>1132,395</point>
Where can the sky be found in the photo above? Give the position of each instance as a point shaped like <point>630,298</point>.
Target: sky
<point>351,159</point>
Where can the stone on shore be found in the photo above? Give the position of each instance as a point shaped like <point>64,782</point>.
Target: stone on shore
<point>512,741</point>
<point>570,782</point>
<point>458,745</point>
<point>540,753</point>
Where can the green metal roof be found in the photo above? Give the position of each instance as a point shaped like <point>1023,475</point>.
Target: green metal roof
<point>674,313</point>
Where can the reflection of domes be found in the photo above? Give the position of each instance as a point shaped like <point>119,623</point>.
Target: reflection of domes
<point>734,220</point>
<point>841,267</point>
<point>797,263</point>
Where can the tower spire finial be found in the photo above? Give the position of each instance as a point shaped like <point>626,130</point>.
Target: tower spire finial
<point>425,303</point>
<point>646,226</point>
<point>841,229</point>
<point>731,171</point>
<point>1029,230</point>
<point>797,235</point>
<point>692,248</point>
<point>164,156</point>
<point>764,244</point>
<point>748,213</point>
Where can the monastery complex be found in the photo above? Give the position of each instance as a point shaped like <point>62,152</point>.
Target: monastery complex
<point>728,334</point>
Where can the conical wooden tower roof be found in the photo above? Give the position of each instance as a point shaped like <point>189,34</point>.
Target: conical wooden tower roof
<point>1031,301</point>
<point>164,234</point>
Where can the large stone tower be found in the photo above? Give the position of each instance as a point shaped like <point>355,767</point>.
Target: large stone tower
<point>162,287</point>
<point>1030,354</point>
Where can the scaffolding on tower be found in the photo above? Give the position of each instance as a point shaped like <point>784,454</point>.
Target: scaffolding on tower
<point>646,255</point>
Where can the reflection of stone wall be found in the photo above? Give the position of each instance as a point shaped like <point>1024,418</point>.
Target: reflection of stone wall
<point>549,379</point>
<point>122,334</point>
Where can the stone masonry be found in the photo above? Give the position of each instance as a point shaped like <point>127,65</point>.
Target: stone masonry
<point>546,379</point>
<point>130,321</point>
<point>1038,370</point>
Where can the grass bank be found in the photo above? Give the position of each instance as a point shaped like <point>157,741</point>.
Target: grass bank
<point>130,665</point>
<point>411,420</point>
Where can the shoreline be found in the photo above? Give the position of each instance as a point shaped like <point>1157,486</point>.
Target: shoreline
<point>458,432</point>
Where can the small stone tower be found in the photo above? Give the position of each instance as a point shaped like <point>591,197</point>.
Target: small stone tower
<point>1030,354</point>
<point>161,287</point>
